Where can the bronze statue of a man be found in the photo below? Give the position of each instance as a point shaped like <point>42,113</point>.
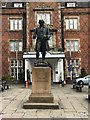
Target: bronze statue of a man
<point>42,35</point>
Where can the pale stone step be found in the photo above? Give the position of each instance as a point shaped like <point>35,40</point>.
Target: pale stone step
<point>41,98</point>
<point>29,105</point>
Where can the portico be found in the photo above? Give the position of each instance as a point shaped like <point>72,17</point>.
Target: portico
<point>54,59</point>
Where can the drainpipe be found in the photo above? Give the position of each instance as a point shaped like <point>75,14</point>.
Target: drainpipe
<point>24,32</point>
<point>62,37</point>
<point>62,30</point>
<point>24,39</point>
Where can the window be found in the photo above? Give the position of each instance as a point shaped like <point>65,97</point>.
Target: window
<point>71,23</point>
<point>50,41</point>
<point>15,63</point>
<point>15,24</point>
<point>77,62</point>
<point>12,63</point>
<point>45,16</point>
<point>20,70</point>
<point>13,67</point>
<point>72,45</point>
<point>15,45</point>
<point>12,72</point>
<point>73,65</point>
<point>71,4</point>
<point>18,5</point>
<point>20,63</point>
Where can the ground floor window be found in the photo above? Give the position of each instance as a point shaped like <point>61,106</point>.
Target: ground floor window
<point>16,66</point>
<point>73,67</point>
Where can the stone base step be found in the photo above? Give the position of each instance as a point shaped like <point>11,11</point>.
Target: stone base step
<point>41,98</point>
<point>28,105</point>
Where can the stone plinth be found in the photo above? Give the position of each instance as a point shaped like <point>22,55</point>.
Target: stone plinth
<point>41,96</point>
<point>41,77</point>
<point>41,85</point>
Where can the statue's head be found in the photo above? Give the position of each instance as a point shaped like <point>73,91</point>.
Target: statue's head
<point>41,22</point>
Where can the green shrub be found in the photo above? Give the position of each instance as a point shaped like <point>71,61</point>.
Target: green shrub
<point>83,73</point>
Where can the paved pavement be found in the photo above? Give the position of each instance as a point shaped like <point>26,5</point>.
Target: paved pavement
<point>72,104</point>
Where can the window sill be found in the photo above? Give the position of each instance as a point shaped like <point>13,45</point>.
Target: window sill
<point>15,30</point>
<point>72,51</point>
<point>72,30</point>
<point>15,51</point>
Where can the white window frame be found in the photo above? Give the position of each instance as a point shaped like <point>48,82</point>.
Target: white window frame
<point>72,23</point>
<point>72,47</point>
<point>18,5</point>
<point>15,45</point>
<point>20,63</point>
<point>12,63</point>
<point>71,4</point>
<point>14,67</point>
<point>43,14</point>
<point>75,67</point>
<point>16,24</point>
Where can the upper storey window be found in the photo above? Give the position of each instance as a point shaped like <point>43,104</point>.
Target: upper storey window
<point>71,23</point>
<point>46,16</point>
<point>15,24</point>
<point>72,45</point>
<point>18,5</point>
<point>15,45</point>
<point>71,4</point>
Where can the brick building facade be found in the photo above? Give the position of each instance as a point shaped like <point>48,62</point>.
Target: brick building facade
<point>76,37</point>
<point>12,37</point>
<point>69,26</point>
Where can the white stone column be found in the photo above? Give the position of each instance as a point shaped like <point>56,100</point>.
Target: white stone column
<point>30,69</point>
<point>27,66</point>
<point>56,72</point>
<point>60,69</point>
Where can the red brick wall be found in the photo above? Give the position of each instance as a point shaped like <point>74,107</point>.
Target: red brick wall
<point>9,35</point>
<point>55,19</point>
<point>81,34</point>
<point>89,42</point>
